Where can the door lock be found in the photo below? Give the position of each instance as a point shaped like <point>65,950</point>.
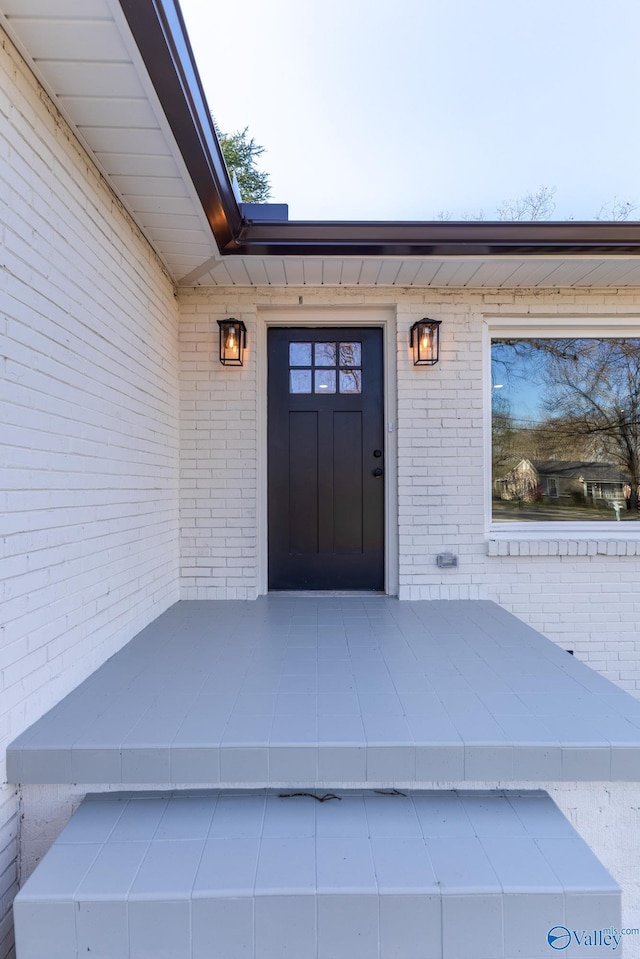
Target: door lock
<point>377,454</point>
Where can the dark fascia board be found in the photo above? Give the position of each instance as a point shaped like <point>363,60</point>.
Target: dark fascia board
<point>161,36</point>
<point>466,238</point>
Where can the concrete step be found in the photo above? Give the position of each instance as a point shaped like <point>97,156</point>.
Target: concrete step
<point>362,875</point>
<point>347,694</point>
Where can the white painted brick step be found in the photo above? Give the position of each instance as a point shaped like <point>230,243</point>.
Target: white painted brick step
<point>366,875</point>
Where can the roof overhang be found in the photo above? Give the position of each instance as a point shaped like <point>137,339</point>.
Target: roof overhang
<point>209,240</point>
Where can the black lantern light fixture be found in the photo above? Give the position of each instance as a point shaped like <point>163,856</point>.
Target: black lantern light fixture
<point>233,340</point>
<point>425,342</point>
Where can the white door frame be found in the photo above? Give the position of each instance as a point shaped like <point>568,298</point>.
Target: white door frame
<point>384,318</point>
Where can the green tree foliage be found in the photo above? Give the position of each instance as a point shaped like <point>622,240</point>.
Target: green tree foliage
<point>240,152</point>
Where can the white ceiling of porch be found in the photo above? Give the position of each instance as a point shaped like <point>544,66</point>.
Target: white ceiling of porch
<point>85,56</point>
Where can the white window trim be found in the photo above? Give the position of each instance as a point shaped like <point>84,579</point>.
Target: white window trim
<point>505,538</point>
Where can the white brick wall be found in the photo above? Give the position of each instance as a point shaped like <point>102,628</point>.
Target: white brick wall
<point>218,475</point>
<point>89,429</point>
<point>8,857</point>
<point>583,596</point>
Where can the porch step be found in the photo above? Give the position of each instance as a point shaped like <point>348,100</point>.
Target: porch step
<point>363,875</point>
<point>342,693</point>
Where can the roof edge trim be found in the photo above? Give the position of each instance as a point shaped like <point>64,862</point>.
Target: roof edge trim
<point>464,238</point>
<point>160,34</point>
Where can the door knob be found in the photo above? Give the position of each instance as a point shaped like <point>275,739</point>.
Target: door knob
<point>377,472</point>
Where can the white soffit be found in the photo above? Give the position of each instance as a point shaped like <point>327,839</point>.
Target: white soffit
<point>84,55</point>
<point>580,272</point>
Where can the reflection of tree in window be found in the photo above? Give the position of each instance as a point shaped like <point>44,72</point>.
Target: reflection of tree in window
<point>350,381</point>
<point>325,354</point>
<point>570,410</point>
<point>350,356</point>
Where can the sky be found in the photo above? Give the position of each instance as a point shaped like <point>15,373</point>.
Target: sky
<point>419,109</point>
<point>518,387</point>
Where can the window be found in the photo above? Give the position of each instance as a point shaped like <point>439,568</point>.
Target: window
<point>565,429</point>
<point>325,367</point>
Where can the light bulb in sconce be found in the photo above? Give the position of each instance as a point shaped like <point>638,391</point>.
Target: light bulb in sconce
<point>232,343</point>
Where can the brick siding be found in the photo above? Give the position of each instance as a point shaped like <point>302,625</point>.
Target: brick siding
<point>89,428</point>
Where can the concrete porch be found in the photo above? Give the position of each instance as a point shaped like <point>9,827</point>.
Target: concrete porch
<point>228,721</point>
<point>337,691</point>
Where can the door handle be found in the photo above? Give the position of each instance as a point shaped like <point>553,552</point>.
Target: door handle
<point>377,472</point>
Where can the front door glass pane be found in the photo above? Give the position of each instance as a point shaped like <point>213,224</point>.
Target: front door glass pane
<point>325,381</point>
<point>350,381</point>
<point>350,354</point>
<point>325,354</point>
<point>299,354</point>
<point>300,381</point>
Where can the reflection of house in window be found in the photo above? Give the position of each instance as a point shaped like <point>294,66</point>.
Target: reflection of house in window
<point>569,483</point>
<point>519,483</point>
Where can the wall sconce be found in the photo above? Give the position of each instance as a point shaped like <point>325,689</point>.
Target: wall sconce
<point>233,340</point>
<point>425,342</point>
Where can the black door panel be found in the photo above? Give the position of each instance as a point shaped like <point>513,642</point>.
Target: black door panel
<point>326,489</point>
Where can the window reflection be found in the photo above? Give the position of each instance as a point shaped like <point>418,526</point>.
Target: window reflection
<point>350,354</point>
<point>350,381</point>
<point>299,354</point>
<point>325,381</point>
<point>565,429</point>
<point>300,381</point>
<point>325,354</point>
<point>328,366</point>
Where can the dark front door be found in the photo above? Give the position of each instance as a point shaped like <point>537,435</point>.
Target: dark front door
<point>326,481</point>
